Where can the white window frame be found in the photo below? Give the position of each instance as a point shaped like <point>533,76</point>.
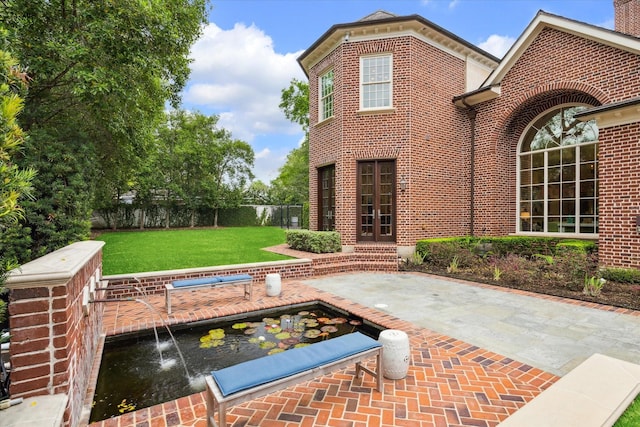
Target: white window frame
<point>388,82</point>
<point>545,199</point>
<point>326,99</point>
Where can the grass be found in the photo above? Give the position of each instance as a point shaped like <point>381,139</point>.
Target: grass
<point>630,417</point>
<point>140,251</point>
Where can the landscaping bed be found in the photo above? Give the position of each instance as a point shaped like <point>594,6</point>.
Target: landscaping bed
<point>569,273</point>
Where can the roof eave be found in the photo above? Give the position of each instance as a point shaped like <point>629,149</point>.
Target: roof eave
<point>484,94</point>
<point>614,114</point>
<point>336,35</point>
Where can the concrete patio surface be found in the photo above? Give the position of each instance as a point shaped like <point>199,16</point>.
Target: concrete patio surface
<point>551,334</point>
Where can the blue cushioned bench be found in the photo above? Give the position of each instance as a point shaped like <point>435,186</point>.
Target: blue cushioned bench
<point>259,377</point>
<point>209,282</point>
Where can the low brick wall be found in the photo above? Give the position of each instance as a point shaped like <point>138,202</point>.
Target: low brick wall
<point>125,285</point>
<point>54,331</point>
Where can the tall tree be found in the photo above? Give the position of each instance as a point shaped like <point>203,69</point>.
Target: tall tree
<point>15,182</point>
<point>102,72</point>
<point>292,183</point>
<point>202,167</point>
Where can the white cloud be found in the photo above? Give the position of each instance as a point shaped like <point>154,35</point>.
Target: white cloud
<point>238,75</point>
<point>497,45</point>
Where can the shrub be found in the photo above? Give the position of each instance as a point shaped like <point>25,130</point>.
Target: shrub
<point>584,246</point>
<point>570,269</point>
<point>439,253</point>
<point>621,275</point>
<point>314,241</point>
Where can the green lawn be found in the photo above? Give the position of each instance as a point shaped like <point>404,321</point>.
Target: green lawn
<point>140,251</point>
<point>630,417</point>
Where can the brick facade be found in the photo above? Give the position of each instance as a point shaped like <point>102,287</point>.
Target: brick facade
<point>458,159</point>
<point>627,16</point>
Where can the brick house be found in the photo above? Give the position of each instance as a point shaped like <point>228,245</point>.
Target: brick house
<point>416,133</point>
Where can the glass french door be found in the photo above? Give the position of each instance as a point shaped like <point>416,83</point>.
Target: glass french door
<point>376,201</point>
<point>327,198</point>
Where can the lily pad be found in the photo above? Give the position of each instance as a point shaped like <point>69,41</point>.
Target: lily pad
<point>275,350</point>
<point>329,328</point>
<point>216,334</point>
<point>254,340</point>
<point>240,326</point>
<point>250,331</point>
<point>339,320</point>
<point>267,344</point>
<point>323,319</point>
<point>275,330</point>
<point>283,335</point>
<point>269,320</point>
<point>312,333</point>
<point>304,313</point>
<point>355,322</point>
<point>290,341</point>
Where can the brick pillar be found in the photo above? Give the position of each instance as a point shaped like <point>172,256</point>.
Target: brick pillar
<point>54,333</point>
<point>627,16</point>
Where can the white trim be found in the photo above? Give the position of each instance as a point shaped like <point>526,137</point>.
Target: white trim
<point>617,117</point>
<point>362,84</point>
<point>544,20</point>
<point>519,153</point>
<point>321,111</point>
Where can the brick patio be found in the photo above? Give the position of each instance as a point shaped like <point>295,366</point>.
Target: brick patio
<point>449,383</point>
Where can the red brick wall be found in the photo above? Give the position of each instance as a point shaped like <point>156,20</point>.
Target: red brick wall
<point>620,196</point>
<point>552,71</point>
<point>425,79</point>
<point>52,341</point>
<point>153,283</point>
<point>627,16</point>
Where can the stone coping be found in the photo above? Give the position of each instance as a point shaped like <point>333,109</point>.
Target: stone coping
<point>55,268</point>
<point>41,411</point>
<point>213,269</point>
<point>594,394</point>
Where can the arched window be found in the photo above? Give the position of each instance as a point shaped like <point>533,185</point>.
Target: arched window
<point>558,179</point>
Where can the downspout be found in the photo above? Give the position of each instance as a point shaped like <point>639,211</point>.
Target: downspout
<point>471,113</point>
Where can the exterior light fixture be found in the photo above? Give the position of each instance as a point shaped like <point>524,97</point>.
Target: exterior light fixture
<point>403,184</point>
<point>346,37</point>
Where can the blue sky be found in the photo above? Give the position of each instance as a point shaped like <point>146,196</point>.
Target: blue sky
<point>248,53</point>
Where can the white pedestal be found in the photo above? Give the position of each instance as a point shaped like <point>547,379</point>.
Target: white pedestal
<point>274,284</point>
<point>395,354</point>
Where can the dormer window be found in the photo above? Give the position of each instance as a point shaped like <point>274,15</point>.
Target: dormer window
<point>375,82</point>
<point>326,96</point>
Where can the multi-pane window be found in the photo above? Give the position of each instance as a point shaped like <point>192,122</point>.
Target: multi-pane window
<point>326,95</point>
<point>375,81</point>
<point>558,185</point>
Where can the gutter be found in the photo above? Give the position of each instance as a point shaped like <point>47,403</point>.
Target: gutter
<point>471,113</point>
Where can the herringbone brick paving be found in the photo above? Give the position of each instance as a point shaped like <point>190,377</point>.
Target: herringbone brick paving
<point>449,383</point>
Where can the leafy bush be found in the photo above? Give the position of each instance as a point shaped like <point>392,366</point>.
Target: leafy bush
<point>585,246</point>
<point>314,241</point>
<point>621,275</point>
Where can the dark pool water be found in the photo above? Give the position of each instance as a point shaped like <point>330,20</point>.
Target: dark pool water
<point>135,375</point>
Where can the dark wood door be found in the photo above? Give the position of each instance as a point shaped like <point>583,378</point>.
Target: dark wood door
<point>376,201</point>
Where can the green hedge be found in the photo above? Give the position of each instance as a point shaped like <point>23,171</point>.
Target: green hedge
<point>501,246</point>
<point>314,241</point>
<point>621,275</point>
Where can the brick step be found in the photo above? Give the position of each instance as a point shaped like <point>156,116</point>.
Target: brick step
<point>352,266</point>
<point>375,249</point>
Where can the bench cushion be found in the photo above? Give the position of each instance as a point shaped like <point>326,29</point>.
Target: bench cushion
<point>235,277</point>
<point>195,282</point>
<point>266,369</point>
